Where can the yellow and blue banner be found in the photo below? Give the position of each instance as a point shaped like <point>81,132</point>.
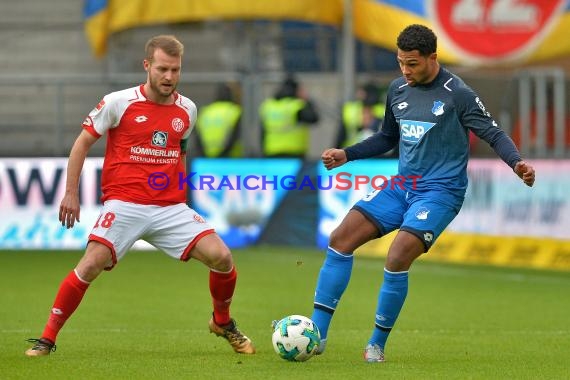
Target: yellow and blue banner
<point>104,17</point>
<point>96,16</point>
<point>479,33</point>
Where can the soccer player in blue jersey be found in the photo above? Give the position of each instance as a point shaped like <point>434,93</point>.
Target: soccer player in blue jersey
<point>429,112</point>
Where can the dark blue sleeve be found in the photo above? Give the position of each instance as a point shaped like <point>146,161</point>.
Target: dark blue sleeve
<point>377,144</point>
<point>505,148</point>
<point>380,142</point>
<point>475,117</point>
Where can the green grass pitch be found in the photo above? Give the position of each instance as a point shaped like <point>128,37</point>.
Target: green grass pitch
<point>148,319</point>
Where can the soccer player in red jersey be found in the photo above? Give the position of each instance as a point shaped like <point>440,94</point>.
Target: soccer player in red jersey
<point>147,130</point>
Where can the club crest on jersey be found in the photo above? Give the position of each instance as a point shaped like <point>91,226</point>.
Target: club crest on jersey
<point>177,124</point>
<point>422,213</point>
<point>413,130</point>
<point>159,139</point>
<point>437,109</point>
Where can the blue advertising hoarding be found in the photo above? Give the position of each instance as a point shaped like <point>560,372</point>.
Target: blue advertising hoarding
<point>238,196</point>
<point>351,182</point>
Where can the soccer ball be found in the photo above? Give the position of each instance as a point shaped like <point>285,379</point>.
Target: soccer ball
<point>296,338</point>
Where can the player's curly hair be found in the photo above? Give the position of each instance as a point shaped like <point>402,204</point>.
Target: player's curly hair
<point>417,37</point>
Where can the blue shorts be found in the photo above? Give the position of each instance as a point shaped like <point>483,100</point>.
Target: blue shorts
<point>424,214</point>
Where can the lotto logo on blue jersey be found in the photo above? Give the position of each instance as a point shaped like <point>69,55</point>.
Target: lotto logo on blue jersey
<point>413,130</point>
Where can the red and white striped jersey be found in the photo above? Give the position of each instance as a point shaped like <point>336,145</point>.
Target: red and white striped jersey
<point>143,139</point>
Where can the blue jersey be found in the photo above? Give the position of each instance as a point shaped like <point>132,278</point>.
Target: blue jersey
<point>432,124</point>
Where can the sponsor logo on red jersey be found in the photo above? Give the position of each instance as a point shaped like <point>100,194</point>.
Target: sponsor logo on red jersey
<point>491,30</point>
<point>159,139</point>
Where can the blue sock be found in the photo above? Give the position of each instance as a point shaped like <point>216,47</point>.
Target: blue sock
<point>390,301</point>
<point>333,279</point>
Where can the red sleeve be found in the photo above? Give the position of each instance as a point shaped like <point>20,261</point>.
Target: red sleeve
<point>88,126</point>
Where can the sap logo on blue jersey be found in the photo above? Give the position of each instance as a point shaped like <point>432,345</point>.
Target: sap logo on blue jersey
<point>413,131</point>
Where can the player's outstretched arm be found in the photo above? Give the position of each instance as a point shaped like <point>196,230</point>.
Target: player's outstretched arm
<point>333,158</point>
<point>525,172</point>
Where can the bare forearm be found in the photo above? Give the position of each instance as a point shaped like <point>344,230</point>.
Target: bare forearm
<point>76,160</point>
<point>74,167</point>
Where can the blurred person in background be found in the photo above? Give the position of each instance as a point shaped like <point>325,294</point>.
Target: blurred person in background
<point>361,117</point>
<point>147,129</point>
<point>429,113</point>
<point>218,126</point>
<point>285,119</point>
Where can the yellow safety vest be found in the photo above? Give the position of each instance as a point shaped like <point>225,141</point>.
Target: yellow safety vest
<point>378,110</point>
<point>216,123</point>
<point>352,120</point>
<point>283,133</point>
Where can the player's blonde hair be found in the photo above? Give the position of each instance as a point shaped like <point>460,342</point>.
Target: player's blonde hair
<point>167,43</point>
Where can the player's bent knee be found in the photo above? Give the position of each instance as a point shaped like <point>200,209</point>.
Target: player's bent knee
<point>342,246</point>
<point>399,259</point>
<point>398,264</point>
<point>222,261</point>
<point>212,251</point>
<point>345,241</point>
<point>97,257</point>
<point>89,268</point>
<point>341,236</point>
